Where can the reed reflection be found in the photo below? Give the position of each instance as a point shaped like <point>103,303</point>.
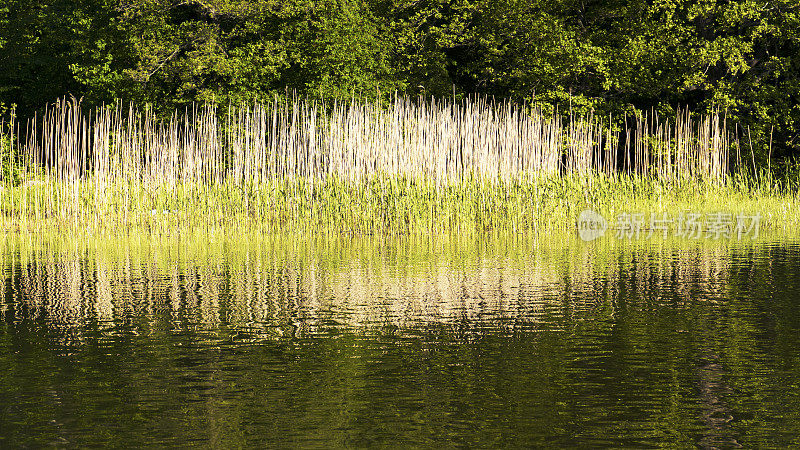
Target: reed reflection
<point>643,343</point>
<point>357,284</point>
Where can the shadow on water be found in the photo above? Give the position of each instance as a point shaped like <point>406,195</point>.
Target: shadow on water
<point>487,341</point>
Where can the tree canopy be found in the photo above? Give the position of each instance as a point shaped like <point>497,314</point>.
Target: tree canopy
<point>608,56</point>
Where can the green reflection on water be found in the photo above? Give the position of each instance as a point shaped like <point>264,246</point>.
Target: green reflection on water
<point>441,340</point>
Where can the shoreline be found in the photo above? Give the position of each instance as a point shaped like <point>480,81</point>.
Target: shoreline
<point>384,205</point>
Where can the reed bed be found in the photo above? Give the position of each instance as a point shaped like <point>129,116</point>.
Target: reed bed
<point>353,166</point>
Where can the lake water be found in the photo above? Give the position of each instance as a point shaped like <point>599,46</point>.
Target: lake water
<point>486,341</point>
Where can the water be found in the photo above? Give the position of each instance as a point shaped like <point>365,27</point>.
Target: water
<point>473,341</point>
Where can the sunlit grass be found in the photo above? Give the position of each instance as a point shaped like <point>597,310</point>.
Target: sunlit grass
<point>382,204</point>
<point>363,168</point>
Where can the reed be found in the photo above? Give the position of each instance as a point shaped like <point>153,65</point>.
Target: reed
<point>349,166</point>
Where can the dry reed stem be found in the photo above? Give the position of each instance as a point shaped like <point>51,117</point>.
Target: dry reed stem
<point>84,165</point>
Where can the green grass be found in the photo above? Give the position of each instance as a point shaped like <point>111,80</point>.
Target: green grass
<point>362,168</point>
<point>382,204</point>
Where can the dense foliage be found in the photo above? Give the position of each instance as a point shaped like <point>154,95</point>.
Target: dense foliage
<point>742,56</point>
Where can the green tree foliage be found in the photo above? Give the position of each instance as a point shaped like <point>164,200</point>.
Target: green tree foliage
<point>742,56</point>
<point>174,52</point>
<point>221,50</point>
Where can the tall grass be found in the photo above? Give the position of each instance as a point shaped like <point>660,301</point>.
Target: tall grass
<point>343,165</point>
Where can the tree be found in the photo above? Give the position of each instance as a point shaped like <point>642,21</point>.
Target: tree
<point>613,56</point>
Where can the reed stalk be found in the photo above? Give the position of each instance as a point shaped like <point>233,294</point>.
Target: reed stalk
<point>356,165</point>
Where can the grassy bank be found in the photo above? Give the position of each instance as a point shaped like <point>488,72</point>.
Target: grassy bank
<point>364,168</point>
<point>383,204</point>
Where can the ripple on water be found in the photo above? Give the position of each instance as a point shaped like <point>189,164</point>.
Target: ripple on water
<point>634,345</point>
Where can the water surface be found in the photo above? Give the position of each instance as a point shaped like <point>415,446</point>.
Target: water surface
<point>329,342</point>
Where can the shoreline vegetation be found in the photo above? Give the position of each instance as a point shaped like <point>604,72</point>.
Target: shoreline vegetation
<point>360,167</point>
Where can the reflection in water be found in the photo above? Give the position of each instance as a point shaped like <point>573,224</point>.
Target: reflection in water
<point>383,341</point>
<point>252,288</point>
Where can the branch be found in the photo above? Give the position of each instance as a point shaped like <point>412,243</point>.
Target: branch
<point>147,78</point>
